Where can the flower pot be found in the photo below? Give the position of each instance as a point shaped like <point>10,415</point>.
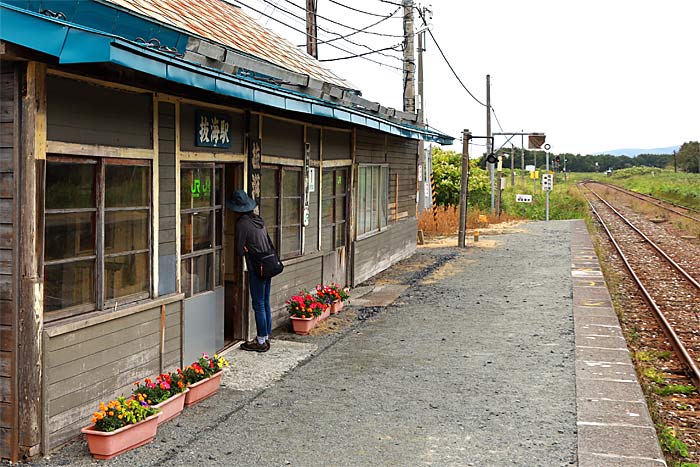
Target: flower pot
<point>325,314</point>
<point>171,408</point>
<point>302,326</point>
<point>107,444</point>
<point>336,307</point>
<point>203,389</point>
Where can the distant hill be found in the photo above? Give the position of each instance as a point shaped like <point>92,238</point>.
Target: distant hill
<point>633,152</point>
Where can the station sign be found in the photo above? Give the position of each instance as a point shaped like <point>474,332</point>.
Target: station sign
<point>523,198</point>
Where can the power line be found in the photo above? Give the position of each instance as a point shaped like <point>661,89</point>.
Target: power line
<point>359,55</point>
<point>331,32</point>
<point>497,121</point>
<point>306,34</point>
<point>355,9</point>
<point>445,58</point>
<point>364,30</point>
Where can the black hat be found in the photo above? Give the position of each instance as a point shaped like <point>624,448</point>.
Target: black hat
<point>240,202</point>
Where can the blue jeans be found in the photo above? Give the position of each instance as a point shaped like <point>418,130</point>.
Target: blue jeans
<point>260,295</point>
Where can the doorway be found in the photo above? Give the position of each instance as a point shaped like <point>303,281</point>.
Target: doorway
<point>235,298</point>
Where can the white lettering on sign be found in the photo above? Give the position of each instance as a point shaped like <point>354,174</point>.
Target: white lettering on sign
<point>420,173</point>
<point>523,198</point>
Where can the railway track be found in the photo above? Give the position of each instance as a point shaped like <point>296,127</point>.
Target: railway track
<point>672,292</point>
<point>683,211</point>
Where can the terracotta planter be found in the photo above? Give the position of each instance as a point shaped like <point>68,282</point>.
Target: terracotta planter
<point>336,307</point>
<point>325,314</point>
<point>302,326</point>
<point>171,408</point>
<point>203,389</point>
<point>107,444</point>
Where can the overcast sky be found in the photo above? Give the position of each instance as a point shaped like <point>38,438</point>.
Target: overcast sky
<point>594,76</point>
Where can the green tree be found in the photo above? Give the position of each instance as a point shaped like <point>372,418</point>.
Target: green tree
<point>447,172</point>
<point>689,157</point>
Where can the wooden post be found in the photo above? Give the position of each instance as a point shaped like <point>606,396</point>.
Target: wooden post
<point>31,303</point>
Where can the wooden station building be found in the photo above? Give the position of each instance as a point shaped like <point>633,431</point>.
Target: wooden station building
<point>124,127</point>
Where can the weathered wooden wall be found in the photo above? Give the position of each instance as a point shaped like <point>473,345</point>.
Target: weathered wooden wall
<point>282,138</point>
<point>8,255</point>
<point>95,363</point>
<point>167,260</point>
<point>378,252</point>
<point>337,145</point>
<point>79,112</point>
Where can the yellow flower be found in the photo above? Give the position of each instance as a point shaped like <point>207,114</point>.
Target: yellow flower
<point>120,416</point>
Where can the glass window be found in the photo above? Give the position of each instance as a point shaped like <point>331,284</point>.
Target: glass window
<point>95,254</point>
<point>372,211</point>
<point>281,209</point>
<point>201,228</point>
<point>334,208</point>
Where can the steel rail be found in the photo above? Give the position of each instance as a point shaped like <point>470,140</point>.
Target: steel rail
<point>648,240</point>
<point>678,346</point>
<point>652,200</point>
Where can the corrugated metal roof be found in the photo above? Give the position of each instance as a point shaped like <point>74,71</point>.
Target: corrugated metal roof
<point>228,25</point>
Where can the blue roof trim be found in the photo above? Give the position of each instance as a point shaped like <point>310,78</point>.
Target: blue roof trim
<point>76,44</point>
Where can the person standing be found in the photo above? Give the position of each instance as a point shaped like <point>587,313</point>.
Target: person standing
<point>252,238</point>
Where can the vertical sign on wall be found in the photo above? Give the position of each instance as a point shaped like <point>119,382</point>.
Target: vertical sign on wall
<point>254,164</point>
<point>307,182</point>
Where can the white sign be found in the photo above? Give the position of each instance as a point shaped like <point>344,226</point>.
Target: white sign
<point>547,182</point>
<point>420,173</point>
<point>426,189</point>
<point>523,198</point>
<point>312,179</point>
<point>530,168</point>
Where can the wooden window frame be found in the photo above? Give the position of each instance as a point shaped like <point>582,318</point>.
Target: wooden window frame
<point>277,224</point>
<point>100,302</point>
<point>379,223</point>
<point>334,197</point>
<point>217,210</point>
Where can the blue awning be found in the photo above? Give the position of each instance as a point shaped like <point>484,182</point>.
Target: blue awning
<point>73,44</point>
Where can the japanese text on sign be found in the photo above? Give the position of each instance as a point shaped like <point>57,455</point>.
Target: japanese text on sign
<point>212,131</point>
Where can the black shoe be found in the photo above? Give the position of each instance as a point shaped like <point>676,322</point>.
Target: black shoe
<point>254,346</point>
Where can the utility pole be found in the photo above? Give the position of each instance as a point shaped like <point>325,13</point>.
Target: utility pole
<point>422,155</point>
<point>464,191</point>
<point>489,146</point>
<point>522,157</point>
<point>409,62</point>
<point>512,164</point>
<point>675,169</point>
<point>311,29</point>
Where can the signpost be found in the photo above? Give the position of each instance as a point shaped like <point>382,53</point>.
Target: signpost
<point>519,198</point>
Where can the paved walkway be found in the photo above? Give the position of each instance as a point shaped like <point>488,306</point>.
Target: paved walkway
<point>476,364</point>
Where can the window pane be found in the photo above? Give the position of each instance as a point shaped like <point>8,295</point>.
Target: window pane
<point>291,181</point>
<point>219,187</point>
<point>186,276</point>
<point>291,210</point>
<point>69,284</point>
<point>361,216</point>
<point>340,235</point>
<point>340,209</point>
<point>268,186</point>
<point>201,230</point>
<point>126,231</point>
<point>327,183</point>
<point>127,185</point>
<point>186,176</point>
<point>70,185</point>
<point>327,238</point>
<point>186,233</point>
<point>202,279</point>
<point>126,275</point>
<point>69,235</point>
<point>341,181</point>
<point>272,232</point>
<point>375,198</point>
<point>268,211</point>
<point>291,240</point>
<point>327,211</point>
<point>196,188</point>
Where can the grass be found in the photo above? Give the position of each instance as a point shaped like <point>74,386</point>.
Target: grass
<point>445,221</point>
<point>677,187</point>
<point>565,201</point>
<point>674,389</point>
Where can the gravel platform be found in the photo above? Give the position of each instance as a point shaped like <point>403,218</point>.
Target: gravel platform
<point>472,365</point>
